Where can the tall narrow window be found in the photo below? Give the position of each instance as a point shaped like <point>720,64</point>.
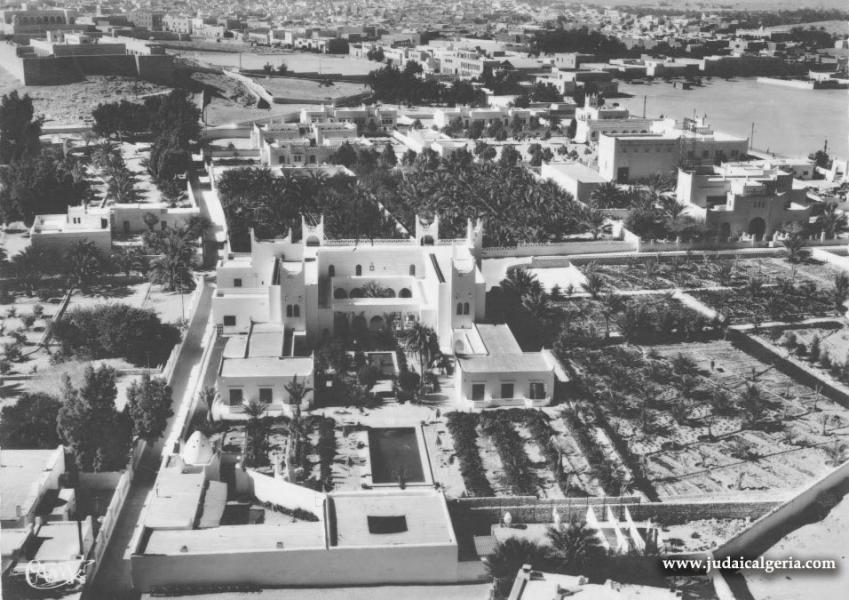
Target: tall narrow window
<point>289,310</point>
<point>459,308</point>
<point>465,308</point>
<point>359,270</point>
<point>412,270</point>
<point>331,271</point>
<point>296,310</point>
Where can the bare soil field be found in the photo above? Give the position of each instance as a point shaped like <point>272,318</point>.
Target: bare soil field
<point>711,453</point>
<point>72,103</point>
<point>307,89</point>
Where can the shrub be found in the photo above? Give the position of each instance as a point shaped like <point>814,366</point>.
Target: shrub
<point>30,422</point>
<point>116,331</point>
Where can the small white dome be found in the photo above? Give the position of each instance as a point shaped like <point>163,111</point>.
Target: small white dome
<point>197,450</point>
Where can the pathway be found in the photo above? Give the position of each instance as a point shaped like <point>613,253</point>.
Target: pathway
<point>113,577</point>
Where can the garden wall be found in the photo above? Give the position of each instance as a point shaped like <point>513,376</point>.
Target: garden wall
<point>531,510</point>
<point>557,248</point>
<point>122,482</point>
<point>771,354</point>
<point>288,495</point>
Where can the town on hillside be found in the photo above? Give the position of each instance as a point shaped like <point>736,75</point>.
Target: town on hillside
<point>460,300</point>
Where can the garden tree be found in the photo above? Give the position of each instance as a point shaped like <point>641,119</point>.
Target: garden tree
<point>408,159</point>
<point>297,391</point>
<point>43,183</point>
<point>463,92</point>
<point>795,247</point>
<point>19,128</point>
<point>176,116</point>
<point>376,54</point>
<point>572,128</point>
<point>120,118</point>
<point>593,221</point>
<point>282,68</point>
<point>268,68</point>
<point>608,195</point>
<point>840,291</point>
<point>31,264</point>
<point>30,422</point>
<point>455,127</point>
<point>168,158</point>
<point>84,263</point>
<point>753,404</point>
<point>545,92</point>
<point>149,406</point>
<point>115,330</point>
<point>196,227</point>
<point>387,157</point>
<point>506,560</point>
<point>575,547</point>
<point>256,454</point>
<point>422,341</point>
<point>509,157</point>
<point>123,259</point>
<point>428,160</point>
<point>594,284</point>
<point>121,187</point>
<point>108,158</point>
<point>832,221</point>
<point>821,159</point>
<point>577,40</point>
<point>345,155</point>
<point>173,268</point>
<point>98,435</point>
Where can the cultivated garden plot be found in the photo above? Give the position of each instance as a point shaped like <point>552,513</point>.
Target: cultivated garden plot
<point>734,424</point>
<point>702,271</point>
<point>786,302</point>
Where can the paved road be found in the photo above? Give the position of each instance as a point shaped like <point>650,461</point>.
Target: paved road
<point>113,577</point>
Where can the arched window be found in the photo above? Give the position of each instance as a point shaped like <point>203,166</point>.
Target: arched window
<point>331,271</point>
<point>459,308</point>
<point>356,293</point>
<point>359,270</point>
<point>405,293</point>
<point>412,270</point>
<point>465,308</point>
<point>340,294</point>
<point>289,310</point>
<point>296,310</point>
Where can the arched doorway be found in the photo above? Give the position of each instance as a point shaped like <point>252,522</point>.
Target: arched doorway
<point>376,323</point>
<point>427,240</point>
<point>757,228</point>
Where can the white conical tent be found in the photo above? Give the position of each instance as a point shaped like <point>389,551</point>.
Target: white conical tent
<point>197,450</point>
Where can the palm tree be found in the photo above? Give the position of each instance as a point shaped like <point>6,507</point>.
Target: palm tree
<point>594,221</point>
<point>257,433</point>
<point>29,266</point>
<point>594,284</point>
<point>753,404</point>
<point>795,246</point>
<point>196,228</point>
<point>297,391</point>
<point>840,292</point>
<point>832,221</point>
<point>575,546</point>
<point>173,269</point>
<point>608,195</point>
<point>612,304</point>
<point>121,187</point>
<point>506,560</point>
<point>84,263</point>
<point>422,341</point>
<point>150,220</point>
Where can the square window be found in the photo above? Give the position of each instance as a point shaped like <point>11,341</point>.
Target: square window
<point>229,320</point>
<point>237,282</point>
<point>265,395</point>
<point>506,390</point>
<point>478,391</point>
<point>236,397</point>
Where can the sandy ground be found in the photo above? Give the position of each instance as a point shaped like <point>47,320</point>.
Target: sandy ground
<point>73,103</point>
<point>285,87</point>
<point>824,540</point>
<point>701,467</point>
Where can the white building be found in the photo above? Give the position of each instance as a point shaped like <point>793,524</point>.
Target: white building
<point>626,156</point>
<point>305,291</point>
<point>737,199</point>
<point>574,177</point>
<point>593,121</point>
<point>80,224</point>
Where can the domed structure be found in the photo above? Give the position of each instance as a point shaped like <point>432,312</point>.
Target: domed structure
<point>197,450</point>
